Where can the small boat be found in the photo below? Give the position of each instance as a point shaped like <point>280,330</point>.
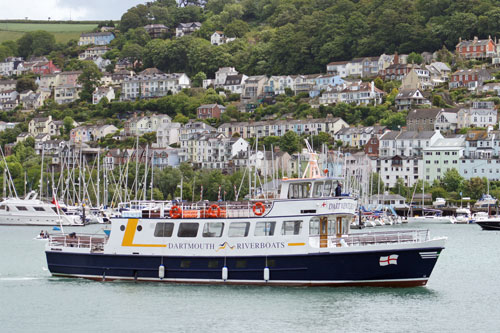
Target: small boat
<point>439,203</point>
<point>485,201</point>
<point>463,216</point>
<point>432,216</point>
<point>489,224</point>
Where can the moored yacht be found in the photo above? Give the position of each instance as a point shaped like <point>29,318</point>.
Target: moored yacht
<point>463,215</point>
<point>31,211</point>
<point>432,216</point>
<point>302,238</point>
<point>485,201</point>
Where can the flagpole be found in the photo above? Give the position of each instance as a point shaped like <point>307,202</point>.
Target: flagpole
<point>57,207</point>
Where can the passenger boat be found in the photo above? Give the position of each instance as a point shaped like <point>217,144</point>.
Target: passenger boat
<point>302,238</point>
<point>31,211</point>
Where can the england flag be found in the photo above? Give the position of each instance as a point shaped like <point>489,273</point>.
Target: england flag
<point>389,260</point>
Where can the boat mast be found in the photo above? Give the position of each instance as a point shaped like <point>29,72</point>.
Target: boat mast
<point>98,178</point>
<point>145,173</point>
<point>41,172</point>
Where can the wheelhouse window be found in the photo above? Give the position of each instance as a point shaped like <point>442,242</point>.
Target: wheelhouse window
<point>328,188</point>
<point>318,189</point>
<point>164,229</point>
<point>21,208</point>
<point>188,230</point>
<point>299,190</point>
<point>264,228</point>
<point>291,227</point>
<point>239,229</point>
<point>39,209</point>
<point>213,229</point>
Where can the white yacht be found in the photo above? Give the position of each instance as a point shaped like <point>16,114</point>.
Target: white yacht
<point>485,201</point>
<point>432,216</point>
<point>439,202</point>
<point>31,211</point>
<point>463,215</point>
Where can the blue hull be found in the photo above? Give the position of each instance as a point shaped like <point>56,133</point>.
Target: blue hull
<point>411,268</point>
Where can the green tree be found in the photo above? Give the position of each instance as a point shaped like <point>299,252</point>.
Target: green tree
<point>415,58</point>
<point>290,142</point>
<point>36,43</point>
<point>132,51</point>
<point>452,180</point>
<point>26,83</point>
<point>89,79</point>
<point>68,124</point>
<point>197,80</point>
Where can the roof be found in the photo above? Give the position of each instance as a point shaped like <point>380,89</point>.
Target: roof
<point>333,63</point>
<point>423,113</point>
<point>474,42</point>
<point>211,106</point>
<point>407,93</point>
<point>151,71</point>
<point>387,197</point>
<point>456,143</point>
<point>96,34</point>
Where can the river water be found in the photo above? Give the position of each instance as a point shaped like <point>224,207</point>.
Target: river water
<point>463,295</point>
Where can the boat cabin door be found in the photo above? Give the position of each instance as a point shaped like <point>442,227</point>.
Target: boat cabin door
<point>323,231</point>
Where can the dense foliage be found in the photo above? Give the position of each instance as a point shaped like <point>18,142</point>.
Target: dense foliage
<point>296,36</point>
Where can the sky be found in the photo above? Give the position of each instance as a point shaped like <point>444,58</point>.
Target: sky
<point>65,9</point>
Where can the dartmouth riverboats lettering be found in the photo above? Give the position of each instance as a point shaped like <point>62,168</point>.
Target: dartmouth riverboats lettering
<point>237,246</point>
<point>342,205</point>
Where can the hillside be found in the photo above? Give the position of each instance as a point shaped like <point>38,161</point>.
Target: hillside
<point>63,32</point>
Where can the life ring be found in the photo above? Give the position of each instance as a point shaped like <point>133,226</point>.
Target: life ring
<point>175,212</point>
<point>214,211</point>
<point>259,208</point>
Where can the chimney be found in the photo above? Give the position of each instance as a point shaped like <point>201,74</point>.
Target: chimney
<point>475,39</point>
<point>396,58</point>
<point>460,39</point>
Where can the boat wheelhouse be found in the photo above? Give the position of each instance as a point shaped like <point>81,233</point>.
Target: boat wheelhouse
<point>301,238</point>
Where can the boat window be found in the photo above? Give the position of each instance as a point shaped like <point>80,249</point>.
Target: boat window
<point>318,189</point>
<point>239,229</point>
<point>188,230</point>
<point>55,210</point>
<point>264,228</point>
<point>213,229</point>
<point>164,229</point>
<point>291,227</point>
<point>21,208</point>
<point>39,209</point>
<point>327,189</point>
<point>299,190</point>
<point>314,226</point>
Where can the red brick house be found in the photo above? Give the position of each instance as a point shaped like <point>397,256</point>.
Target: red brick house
<point>45,67</point>
<point>397,71</point>
<point>371,147</point>
<point>477,48</point>
<point>210,111</point>
<point>469,78</point>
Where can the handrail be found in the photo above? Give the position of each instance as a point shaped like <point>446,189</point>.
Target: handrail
<point>373,238</point>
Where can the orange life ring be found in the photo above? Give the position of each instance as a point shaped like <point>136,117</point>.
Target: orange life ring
<point>214,211</point>
<point>175,212</point>
<point>259,208</point>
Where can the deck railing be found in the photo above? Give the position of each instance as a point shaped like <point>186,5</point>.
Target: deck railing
<point>374,238</point>
<point>93,242</point>
<point>219,210</point>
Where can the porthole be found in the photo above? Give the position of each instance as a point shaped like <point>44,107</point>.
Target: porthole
<point>139,227</point>
<point>122,228</point>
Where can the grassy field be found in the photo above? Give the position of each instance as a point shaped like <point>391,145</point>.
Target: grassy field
<point>62,31</point>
